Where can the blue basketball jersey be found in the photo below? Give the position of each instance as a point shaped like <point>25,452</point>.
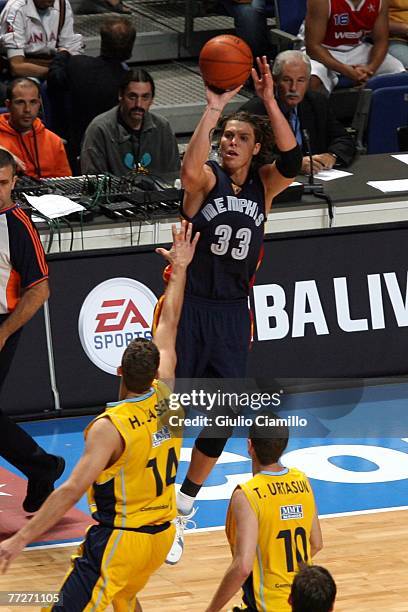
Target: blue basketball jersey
<point>232,229</point>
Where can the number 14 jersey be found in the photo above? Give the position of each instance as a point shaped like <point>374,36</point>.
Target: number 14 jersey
<point>231,224</point>
<point>138,489</point>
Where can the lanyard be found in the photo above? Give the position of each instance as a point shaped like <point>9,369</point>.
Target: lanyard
<point>36,160</point>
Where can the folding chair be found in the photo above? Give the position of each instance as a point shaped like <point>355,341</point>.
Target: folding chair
<point>388,111</point>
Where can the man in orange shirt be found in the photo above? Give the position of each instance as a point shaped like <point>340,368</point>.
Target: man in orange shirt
<point>25,136</point>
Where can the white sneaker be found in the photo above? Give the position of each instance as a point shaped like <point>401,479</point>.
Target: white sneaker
<point>182,522</point>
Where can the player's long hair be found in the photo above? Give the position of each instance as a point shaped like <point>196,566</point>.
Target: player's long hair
<point>263,134</point>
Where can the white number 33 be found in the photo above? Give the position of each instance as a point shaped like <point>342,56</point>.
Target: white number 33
<point>224,233</point>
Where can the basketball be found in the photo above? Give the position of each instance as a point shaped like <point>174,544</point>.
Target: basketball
<point>225,62</point>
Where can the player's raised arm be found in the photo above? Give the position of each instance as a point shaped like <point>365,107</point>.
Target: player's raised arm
<point>196,178</point>
<point>279,175</point>
<point>179,256</point>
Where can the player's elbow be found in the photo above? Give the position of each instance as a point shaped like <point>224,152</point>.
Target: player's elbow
<point>46,290</point>
<point>188,178</point>
<point>316,547</point>
<point>243,568</point>
<point>312,49</point>
<point>70,493</point>
<point>42,289</point>
<point>191,178</point>
<point>18,66</point>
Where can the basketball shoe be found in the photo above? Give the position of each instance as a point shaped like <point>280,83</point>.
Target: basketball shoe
<point>38,489</point>
<point>182,522</point>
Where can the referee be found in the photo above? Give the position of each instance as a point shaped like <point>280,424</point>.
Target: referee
<point>23,290</point>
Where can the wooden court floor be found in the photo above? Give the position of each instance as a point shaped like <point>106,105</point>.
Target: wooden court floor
<point>367,555</point>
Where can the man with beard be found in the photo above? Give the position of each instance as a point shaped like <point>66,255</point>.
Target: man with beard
<point>129,137</point>
<point>307,110</point>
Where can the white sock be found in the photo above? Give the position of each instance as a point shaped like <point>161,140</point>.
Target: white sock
<point>185,503</point>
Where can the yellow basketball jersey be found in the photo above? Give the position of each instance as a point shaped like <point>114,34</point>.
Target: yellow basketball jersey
<point>284,505</point>
<point>398,11</point>
<point>139,488</point>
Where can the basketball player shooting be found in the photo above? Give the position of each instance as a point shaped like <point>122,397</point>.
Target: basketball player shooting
<point>228,203</point>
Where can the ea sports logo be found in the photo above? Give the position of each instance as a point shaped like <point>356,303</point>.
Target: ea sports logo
<point>113,314</point>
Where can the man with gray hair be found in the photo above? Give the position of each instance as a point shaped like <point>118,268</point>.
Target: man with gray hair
<point>308,113</point>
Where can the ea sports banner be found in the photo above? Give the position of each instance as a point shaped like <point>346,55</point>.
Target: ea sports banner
<point>100,301</point>
<point>113,314</point>
<point>330,303</point>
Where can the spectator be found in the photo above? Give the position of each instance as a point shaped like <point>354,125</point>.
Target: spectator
<point>313,590</point>
<point>398,22</point>
<point>334,36</point>
<point>32,31</point>
<point>250,20</point>
<point>130,137</point>
<point>25,136</point>
<point>307,110</point>
<point>80,87</point>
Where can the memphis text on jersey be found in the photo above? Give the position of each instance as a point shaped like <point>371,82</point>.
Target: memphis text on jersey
<point>233,204</point>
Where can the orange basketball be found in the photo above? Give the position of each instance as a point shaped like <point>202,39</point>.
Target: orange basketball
<point>225,62</point>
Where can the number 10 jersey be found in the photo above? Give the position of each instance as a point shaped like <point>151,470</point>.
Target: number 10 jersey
<point>284,505</point>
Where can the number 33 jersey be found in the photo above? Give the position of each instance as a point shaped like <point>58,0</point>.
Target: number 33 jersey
<point>138,489</point>
<point>231,226</point>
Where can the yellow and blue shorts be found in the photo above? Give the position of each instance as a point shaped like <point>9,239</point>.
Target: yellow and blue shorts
<point>112,566</point>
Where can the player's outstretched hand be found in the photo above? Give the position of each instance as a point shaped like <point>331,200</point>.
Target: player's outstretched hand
<point>219,100</point>
<point>183,247</point>
<point>263,82</point>
<point>9,549</point>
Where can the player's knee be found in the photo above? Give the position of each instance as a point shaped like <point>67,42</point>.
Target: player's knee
<point>315,84</point>
<point>212,447</point>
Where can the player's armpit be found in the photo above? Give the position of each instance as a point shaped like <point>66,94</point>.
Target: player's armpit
<point>274,183</point>
<point>103,447</point>
<point>196,188</point>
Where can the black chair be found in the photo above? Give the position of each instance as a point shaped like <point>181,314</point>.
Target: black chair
<point>289,17</point>
<point>388,111</point>
<point>387,80</point>
<point>402,136</point>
